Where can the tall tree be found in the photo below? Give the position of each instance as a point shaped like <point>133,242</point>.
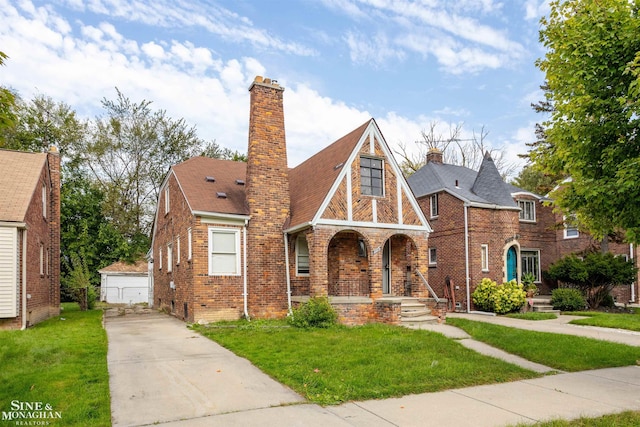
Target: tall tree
<point>7,103</point>
<point>43,122</point>
<point>129,152</point>
<point>467,152</point>
<point>591,132</point>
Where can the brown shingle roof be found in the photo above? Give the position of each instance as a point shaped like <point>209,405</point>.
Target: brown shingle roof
<point>140,266</point>
<point>202,195</point>
<point>18,182</point>
<point>310,182</point>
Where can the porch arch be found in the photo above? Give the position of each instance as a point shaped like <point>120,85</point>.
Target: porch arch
<point>348,264</point>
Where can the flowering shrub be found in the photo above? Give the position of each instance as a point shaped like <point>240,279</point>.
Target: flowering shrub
<point>500,299</point>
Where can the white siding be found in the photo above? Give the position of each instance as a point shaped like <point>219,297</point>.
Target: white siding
<point>8,271</point>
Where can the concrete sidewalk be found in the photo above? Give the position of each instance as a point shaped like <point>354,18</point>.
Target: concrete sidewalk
<point>161,373</point>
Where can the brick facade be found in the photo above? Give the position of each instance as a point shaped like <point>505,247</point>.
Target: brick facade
<point>42,261</point>
<point>355,241</point>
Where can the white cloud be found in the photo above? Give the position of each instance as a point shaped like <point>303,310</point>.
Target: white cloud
<point>535,9</point>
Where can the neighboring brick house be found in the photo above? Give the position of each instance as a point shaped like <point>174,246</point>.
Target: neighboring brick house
<point>29,237</point>
<point>483,227</point>
<point>233,239</point>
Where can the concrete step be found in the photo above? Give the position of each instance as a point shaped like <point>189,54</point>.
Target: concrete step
<point>421,320</point>
<point>543,308</point>
<point>415,313</point>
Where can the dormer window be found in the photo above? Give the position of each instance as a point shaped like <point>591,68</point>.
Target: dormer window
<point>371,178</point>
<point>527,210</point>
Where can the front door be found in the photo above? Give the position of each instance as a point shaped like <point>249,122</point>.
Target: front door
<point>512,264</point>
<point>386,268</point>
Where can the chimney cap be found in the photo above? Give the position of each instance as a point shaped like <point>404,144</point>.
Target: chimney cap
<point>266,82</point>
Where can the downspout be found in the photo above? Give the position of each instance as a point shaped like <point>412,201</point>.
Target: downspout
<point>633,285</point>
<point>245,294</point>
<point>288,273</point>
<point>24,279</point>
<point>466,255</point>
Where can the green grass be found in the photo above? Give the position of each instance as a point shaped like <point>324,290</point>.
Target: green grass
<point>59,362</point>
<point>623,419</point>
<point>330,366</point>
<point>532,315</point>
<point>564,352</point>
<point>608,320</point>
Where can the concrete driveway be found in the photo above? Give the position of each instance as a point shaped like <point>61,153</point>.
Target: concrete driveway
<point>161,371</point>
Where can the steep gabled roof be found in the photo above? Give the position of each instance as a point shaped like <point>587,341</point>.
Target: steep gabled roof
<point>484,187</point>
<point>18,182</point>
<point>310,182</point>
<point>203,194</point>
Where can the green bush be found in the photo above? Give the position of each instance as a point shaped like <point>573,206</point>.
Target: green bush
<point>567,299</point>
<point>315,313</point>
<point>500,299</point>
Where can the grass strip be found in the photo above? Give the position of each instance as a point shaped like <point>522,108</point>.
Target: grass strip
<point>62,363</point>
<point>623,419</point>
<point>608,320</point>
<point>532,316</point>
<point>565,352</point>
<point>331,366</point>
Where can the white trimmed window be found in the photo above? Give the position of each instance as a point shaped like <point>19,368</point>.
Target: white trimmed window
<point>41,259</point>
<point>178,250</point>
<point>189,244</point>
<point>44,201</point>
<point>531,262</point>
<point>433,203</point>
<point>371,176</point>
<point>570,228</point>
<point>302,256</point>
<point>484,257</point>
<point>433,256</point>
<point>224,254</point>
<point>160,258</point>
<point>169,257</point>
<point>527,210</point>
<point>166,199</point>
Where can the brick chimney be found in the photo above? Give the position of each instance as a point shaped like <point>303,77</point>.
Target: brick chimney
<point>53,160</point>
<point>434,155</point>
<point>267,192</point>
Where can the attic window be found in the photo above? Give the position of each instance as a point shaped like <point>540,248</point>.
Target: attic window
<point>240,181</point>
<point>221,195</point>
<point>210,179</point>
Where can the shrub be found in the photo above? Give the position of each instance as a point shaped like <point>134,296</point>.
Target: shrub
<point>567,299</point>
<point>315,313</point>
<point>500,299</point>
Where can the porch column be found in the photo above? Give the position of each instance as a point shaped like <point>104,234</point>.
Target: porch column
<point>318,241</point>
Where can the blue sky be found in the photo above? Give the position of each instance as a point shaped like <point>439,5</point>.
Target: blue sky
<point>405,63</point>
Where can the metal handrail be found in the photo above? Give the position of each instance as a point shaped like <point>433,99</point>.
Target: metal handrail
<point>435,297</point>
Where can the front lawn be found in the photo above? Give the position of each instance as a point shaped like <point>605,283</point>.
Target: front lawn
<point>331,366</point>
<point>565,352</point>
<point>61,362</point>
<point>532,315</point>
<point>623,419</point>
<point>608,320</point>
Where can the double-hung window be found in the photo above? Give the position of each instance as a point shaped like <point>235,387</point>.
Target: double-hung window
<point>371,179</point>
<point>531,262</point>
<point>433,203</point>
<point>224,253</point>
<point>570,227</point>
<point>433,256</point>
<point>527,210</point>
<point>302,256</point>
<point>169,257</point>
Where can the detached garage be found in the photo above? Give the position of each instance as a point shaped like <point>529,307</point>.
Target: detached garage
<point>123,283</point>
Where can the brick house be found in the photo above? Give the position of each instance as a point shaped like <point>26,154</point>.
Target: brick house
<point>484,227</point>
<point>253,239</point>
<point>29,237</point>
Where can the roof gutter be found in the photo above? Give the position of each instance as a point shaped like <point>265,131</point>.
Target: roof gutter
<point>287,272</point>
